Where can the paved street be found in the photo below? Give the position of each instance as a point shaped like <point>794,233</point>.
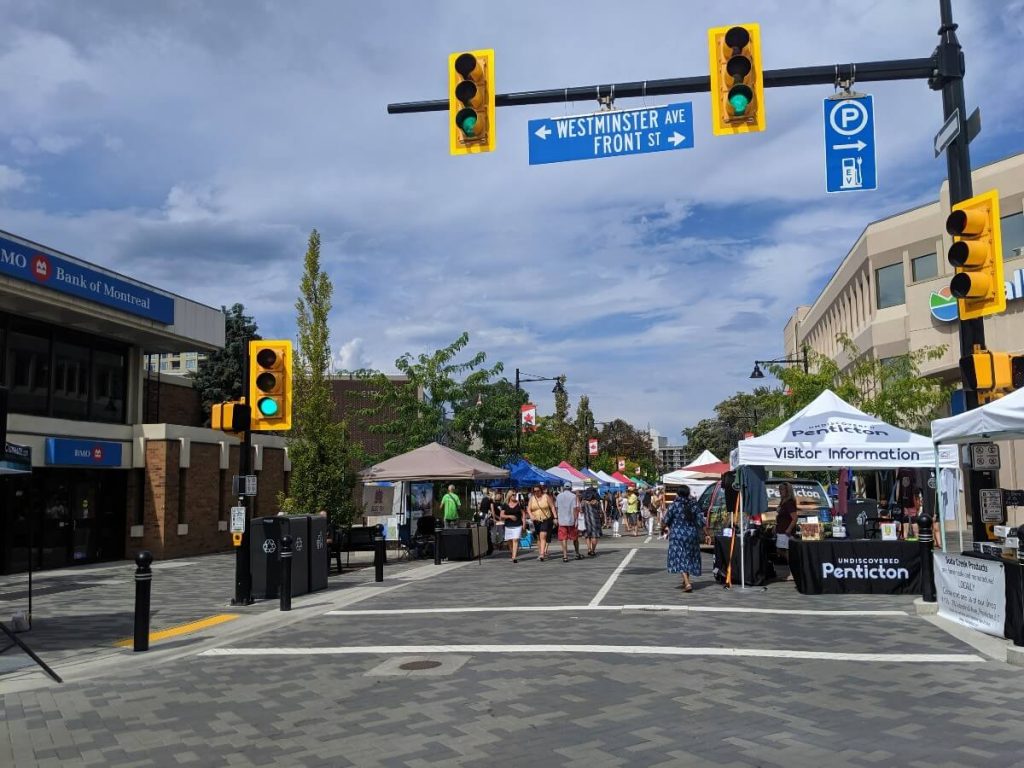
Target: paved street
<point>439,666</point>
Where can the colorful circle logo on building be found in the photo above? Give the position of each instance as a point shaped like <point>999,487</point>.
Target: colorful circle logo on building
<point>41,268</point>
<point>943,305</point>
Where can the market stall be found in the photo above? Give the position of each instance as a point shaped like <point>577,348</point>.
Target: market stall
<point>983,588</point>
<point>829,433</point>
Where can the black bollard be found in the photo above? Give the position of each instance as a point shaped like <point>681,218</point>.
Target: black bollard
<point>143,589</point>
<point>378,558</point>
<point>925,538</point>
<point>437,546</point>
<point>286,573</point>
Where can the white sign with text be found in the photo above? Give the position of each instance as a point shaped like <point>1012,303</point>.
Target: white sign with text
<point>971,592</point>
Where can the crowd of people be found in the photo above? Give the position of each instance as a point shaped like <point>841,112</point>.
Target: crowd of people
<point>570,516</point>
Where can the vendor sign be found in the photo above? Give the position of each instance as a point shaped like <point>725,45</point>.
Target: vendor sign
<point>865,567</point>
<point>971,592</point>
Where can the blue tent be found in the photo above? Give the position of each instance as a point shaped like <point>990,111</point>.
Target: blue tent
<point>523,474</point>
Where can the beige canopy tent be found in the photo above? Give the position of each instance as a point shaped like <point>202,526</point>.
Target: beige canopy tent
<point>432,462</point>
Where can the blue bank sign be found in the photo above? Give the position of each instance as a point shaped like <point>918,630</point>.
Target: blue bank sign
<point>59,274</point>
<point>610,134</point>
<point>62,451</point>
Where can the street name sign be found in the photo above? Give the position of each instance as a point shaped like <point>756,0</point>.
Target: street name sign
<point>611,133</point>
<point>850,144</point>
<point>949,131</point>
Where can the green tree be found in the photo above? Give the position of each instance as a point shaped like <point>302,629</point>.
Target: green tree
<point>492,416</point>
<point>583,430</point>
<point>543,446</point>
<point>218,378</point>
<point>893,389</point>
<point>435,403</point>
<point>735,416</point>
<point>324,469</point>
<point>562,426</point>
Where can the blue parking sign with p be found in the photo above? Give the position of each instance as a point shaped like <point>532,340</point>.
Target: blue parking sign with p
<point>850,144</point>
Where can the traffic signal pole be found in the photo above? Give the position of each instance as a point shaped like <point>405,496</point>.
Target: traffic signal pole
<point>243,558</point>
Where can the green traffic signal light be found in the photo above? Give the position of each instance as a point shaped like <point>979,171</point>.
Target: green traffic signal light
<point>268,406</point>
<point>739,102</point>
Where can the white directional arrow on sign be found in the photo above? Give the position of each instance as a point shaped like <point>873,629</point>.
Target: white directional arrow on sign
<point>858,145</point>
<point>676,138</point>
<point>543,132</point>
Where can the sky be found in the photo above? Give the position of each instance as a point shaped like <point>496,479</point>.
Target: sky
<point>194,146</point>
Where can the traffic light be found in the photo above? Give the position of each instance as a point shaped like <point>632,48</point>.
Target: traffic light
<point>986,370</point>
<point>737,80</point>
<point>270,384</point>
<point>233,416</point>
<point>977,254</point>
<point>471,102</point>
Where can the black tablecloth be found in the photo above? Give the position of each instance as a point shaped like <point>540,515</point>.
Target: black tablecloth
<point>865,566</point>
<point>757,568</point>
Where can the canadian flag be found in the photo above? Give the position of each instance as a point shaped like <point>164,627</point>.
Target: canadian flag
<point>528,417</point>
<point>592,446</point>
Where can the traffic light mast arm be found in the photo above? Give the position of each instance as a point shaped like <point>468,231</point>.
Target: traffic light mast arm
<point>865,71</point>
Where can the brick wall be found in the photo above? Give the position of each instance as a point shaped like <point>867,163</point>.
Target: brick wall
<point>167,401</point>
<point>351,394</point>
<point>270,482</point>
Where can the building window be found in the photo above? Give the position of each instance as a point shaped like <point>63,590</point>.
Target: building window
<point>924,267</point>
<point>1013,236</point>
<point>108,386</point>
<point>70,380</point>
<point>28,371</point>
<point>891,288</point>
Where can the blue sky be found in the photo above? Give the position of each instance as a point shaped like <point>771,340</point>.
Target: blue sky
<point>194,145</point>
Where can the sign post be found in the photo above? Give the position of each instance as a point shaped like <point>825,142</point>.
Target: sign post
<point>611,133</point>
<point>850,144</point>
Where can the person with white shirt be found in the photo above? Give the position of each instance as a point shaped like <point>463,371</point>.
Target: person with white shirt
<point>568,509</point>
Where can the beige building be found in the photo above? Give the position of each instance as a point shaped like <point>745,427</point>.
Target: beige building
<point>890,292</point>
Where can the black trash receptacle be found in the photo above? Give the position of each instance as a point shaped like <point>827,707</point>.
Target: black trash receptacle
<point>264,547</point>
<point>265,550</point>
<point>318,562</point>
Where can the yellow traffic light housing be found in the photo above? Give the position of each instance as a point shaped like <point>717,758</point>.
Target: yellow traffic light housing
<point>985,370</point>
<point>270,385</point>
<point>977,254</point>
<point>737,79</point>
<point>471,97</point>
<point>232,416</point>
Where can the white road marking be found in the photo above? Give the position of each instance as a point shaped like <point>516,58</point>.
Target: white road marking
<point>782,654</point>
<point>651,607</point>
<point>611,579</point>
<point>647,540</point>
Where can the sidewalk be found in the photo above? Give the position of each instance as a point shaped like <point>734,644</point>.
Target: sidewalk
<point>79,614</point>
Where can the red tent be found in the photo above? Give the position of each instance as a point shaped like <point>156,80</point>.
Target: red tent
<point>718,468</point>
<point>623,479</point>
<point>575,472</point>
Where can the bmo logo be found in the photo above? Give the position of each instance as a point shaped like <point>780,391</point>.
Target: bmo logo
<point>41,269</point>
<point>97,453</point>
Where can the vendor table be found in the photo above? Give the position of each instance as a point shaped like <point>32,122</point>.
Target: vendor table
<point>1014,573</point>
<point>863,566</point>
<point>757,568</point>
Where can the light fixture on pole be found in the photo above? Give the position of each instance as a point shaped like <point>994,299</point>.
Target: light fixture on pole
<point>801,360</point>
<point>526,378</point>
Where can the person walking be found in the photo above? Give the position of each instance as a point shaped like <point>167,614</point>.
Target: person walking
<point>620,508</point>
<point>450,504</point>
<point>512,517</point>
<point>568,507</point>
<point>685,525</point>
<point>592,517</point>
<point>633,512</point>
<point>647,511</point>
<point>542,512</point>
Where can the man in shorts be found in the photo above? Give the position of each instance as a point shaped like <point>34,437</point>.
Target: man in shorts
<point>568,508</point>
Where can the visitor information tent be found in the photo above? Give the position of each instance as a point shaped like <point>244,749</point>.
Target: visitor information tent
<point>829,432</point>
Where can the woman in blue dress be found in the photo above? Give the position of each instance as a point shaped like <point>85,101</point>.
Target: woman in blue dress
<point>685,525</point>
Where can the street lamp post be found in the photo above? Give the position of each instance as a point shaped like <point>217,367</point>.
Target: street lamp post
<point>759,374</point>
<point>526,378</point>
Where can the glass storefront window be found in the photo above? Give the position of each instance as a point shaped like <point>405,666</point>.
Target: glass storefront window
<point>108,386</point>
<point>28,371</point>
<point>70,380</point>
<point>891,290</point>
<point>1013,236</point>
<point>924,267</point>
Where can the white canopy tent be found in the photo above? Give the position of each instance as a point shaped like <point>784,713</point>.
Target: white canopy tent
<point>829,432</point>
<point>1002,419</point>
<point>683,475</point>
<point>576,483</point>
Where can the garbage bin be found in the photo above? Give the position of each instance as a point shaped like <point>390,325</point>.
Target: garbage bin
<point>318,562</point>
<point>265,536</point>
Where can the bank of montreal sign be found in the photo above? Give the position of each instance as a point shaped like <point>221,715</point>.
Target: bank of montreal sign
<point>943,305</point>
<point>58,274</point>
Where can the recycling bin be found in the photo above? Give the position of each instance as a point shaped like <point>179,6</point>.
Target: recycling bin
<point>319,564</point>
<point>265,536</point>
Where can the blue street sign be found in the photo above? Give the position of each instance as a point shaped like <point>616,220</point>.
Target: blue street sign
<point>850,145</point>
<point>613,133</point>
